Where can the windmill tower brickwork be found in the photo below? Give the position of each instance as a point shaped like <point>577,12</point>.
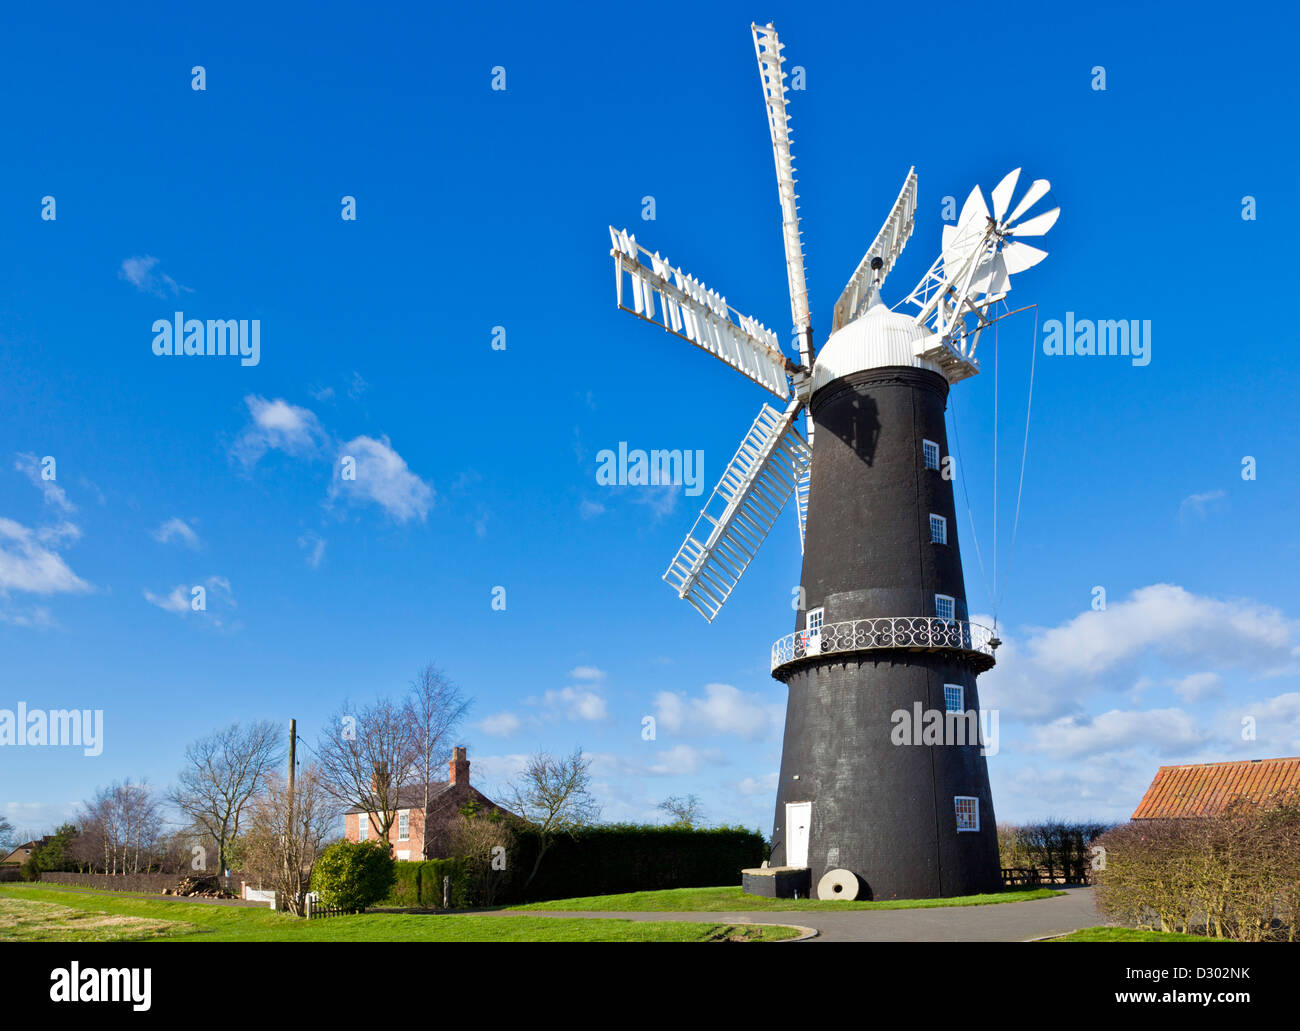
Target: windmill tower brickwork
<point>884,643</point>
<point>851,797</point>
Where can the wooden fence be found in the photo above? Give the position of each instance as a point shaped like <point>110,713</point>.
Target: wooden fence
<point>1020,877</point>
<point>315,911</point>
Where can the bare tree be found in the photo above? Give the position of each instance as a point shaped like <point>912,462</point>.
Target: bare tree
<point>554,796</point>
<point>125,819</point>
<point>7,840</point>
<point>434,709</point>
<point>483,843</point>
<point>366,756</point>
<point>287,832</point>
<point>223,771</point>
<point>685,810</point>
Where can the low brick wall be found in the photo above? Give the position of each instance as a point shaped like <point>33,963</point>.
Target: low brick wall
<point>152,883</point>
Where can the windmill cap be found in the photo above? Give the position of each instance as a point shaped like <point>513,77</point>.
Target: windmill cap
<point>878,339</point>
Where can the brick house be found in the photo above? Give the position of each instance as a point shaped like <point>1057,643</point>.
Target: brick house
<point>446,799</point>
<point>1205,789</point>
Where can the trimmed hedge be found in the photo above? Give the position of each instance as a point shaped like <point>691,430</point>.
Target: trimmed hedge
<point>419,884</point>
<point>601,860</point>
<point>612,858</point>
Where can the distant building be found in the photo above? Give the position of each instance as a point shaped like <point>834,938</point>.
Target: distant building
<point>1206,789</point>
<point>446,800</point>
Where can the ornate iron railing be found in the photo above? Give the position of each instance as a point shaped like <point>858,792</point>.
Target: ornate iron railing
<point>925,633</point>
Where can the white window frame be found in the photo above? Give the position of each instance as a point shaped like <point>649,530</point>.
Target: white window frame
<point>363,828</point>
<point>813,623</point>
<point>926,445</point>
<point>943,529</point>
<point>404,817</point>
<point>957,800</point>
<point>961,698</point>
<point>938,598</point>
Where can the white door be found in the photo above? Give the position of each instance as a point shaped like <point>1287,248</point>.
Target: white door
<point>798,818</point>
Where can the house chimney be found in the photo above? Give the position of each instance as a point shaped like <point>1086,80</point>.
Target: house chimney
<point>459,766</point>
<point>380,776</point>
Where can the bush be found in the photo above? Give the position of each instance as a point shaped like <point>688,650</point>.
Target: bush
<point>352,875</point>
<point>612,858</point>
<point>1235,875</point>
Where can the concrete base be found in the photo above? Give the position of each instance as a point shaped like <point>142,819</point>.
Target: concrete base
<point>778,882</point>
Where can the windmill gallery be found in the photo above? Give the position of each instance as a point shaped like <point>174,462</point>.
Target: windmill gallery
<point>885,628</point>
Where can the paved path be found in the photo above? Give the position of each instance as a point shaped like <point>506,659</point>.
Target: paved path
<point>1007,921</point>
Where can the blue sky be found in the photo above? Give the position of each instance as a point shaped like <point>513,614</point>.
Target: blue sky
<point>479,208</point>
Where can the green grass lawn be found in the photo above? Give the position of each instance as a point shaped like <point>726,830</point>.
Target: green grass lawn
<point>733,900</point>
<point>36,913</point>
<point>1128,934</point>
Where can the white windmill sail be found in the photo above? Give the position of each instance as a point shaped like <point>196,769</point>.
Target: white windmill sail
<point>973,272</point>
<point>741,511</point>
<point>767,48</point>
<point>801,491</point>
<point>865,282</point>
<point>690,310</point>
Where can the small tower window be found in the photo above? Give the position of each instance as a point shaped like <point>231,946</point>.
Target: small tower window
<point>954,698</point>
<point>816,617</point>
<point>938,529</point>
<point>968,813</point>
<point>945,606</point>
<point>931,451</point>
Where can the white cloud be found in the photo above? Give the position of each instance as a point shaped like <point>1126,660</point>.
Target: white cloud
<point>30,466</point>
<point>578,703</point>
<point>217,598</point>
<point>1196,686</point>
<point>177,601</point>
<point>587,673</point>
<point>29,563</point>
<point>764,785</point>
<point>141,273</point>
<point>1197,504</point>
<point>175,529</point>
<point>383,477</point>
<point>685,760</point>
<point>501,724</point>
<point>723,710</point>
<point>660,498</point>
<point>1047,673</point>
<point>1164,731</point>
<point>590,509</point>
<point>314,544</point>
<point>277,425</point>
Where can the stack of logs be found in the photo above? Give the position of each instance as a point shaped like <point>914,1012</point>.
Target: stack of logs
<point>200,887</point>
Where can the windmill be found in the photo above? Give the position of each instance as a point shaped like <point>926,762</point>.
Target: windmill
<point>883,625</point>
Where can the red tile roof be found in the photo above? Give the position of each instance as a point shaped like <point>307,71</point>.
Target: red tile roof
<point>1205,789</point>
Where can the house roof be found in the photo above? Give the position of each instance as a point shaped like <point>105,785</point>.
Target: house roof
<point>411,796</point>
<point>20,854</point>
<point>1205,789</point>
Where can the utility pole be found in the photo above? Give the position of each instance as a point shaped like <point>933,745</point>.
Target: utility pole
<point>293,750</point>
<point>289,851</point>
